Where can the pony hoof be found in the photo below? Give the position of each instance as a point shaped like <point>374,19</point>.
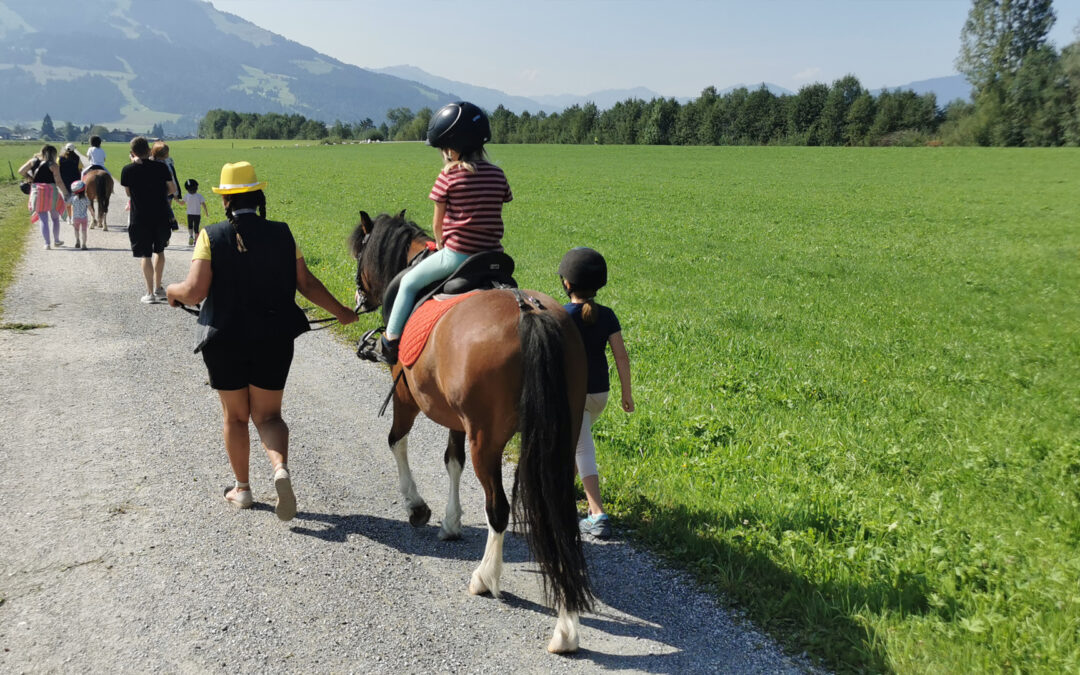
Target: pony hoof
<point>561,645</point>
<point>449,536</point>
<point>477,587</point>
<point>419,515</point>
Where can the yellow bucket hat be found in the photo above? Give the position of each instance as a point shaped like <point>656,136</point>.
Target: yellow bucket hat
<point>237,178</point>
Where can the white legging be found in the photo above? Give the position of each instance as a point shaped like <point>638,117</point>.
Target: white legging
<point>586,450</point>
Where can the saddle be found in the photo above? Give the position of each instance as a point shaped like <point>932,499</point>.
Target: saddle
<point>480,271</point>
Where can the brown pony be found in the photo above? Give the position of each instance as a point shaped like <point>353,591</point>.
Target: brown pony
<point>498,362</point>
<point>99,186</point>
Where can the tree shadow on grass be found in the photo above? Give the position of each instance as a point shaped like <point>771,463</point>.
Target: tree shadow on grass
<point>815,617</point>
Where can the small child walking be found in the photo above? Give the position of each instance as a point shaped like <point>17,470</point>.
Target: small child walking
<point>79,206</point>
<point>193,200</point>
<point>583,272</point>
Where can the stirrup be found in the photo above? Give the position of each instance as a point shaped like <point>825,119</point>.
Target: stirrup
<point>365,349</point>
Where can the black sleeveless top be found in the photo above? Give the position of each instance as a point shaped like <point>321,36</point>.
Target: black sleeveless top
<point>253,294</point>
<point>69,169</point>
<point>44,173</point>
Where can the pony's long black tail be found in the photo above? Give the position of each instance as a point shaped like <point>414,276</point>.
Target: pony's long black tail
<point>106,192</point>
<point>543,495</point>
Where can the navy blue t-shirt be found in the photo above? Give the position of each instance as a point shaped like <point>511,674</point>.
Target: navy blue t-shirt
<point>595,338</point>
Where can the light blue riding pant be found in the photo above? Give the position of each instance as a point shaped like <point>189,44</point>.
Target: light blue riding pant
<point>437,266</point>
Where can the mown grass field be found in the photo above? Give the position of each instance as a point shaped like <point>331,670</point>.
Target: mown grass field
<point>857,371</point>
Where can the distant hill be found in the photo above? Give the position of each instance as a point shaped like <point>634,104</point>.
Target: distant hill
<point>172,62</point>
<point>489,99</point>
<point>776,89</point>
<point>603,99</point>
<point>946,89</point>
<point>486,98</point>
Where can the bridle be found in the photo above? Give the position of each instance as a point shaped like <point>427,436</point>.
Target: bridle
<point>361,295</point>
<point>361,292</point>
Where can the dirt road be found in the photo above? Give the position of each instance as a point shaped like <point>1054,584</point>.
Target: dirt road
<point>117,552</point>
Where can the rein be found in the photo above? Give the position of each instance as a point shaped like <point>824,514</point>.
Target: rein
<point>328,321</point>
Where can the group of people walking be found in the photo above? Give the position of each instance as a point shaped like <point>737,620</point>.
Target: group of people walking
<point>247,269</point>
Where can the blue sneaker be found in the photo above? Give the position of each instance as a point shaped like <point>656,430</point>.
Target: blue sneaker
<point>598,526</point>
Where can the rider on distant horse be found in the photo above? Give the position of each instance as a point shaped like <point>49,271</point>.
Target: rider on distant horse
<point>468,195</point>
<point>96,155</point>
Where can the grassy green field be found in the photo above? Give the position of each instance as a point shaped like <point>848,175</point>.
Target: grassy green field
<point>14,225</point>
<point>857,370</point>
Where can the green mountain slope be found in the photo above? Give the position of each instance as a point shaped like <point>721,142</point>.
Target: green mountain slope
<point>125,63</point>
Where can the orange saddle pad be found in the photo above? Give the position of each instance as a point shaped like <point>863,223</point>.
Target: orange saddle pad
<point>419,326</point>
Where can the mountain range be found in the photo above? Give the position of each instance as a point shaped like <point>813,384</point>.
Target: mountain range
<point>132,64</point>
<point>136,63</point>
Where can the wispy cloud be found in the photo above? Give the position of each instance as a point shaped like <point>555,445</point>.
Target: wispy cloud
<point>807,74</point>
<point>529,74</point>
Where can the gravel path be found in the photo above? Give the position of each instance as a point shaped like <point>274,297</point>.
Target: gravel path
<point>117,552</point>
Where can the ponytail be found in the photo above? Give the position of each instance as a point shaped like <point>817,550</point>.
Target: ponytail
<point>588,311</point>
<point>588,307</point>
<point>244,200</point>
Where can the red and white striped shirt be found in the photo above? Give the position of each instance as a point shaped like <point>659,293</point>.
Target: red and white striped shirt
<point>473,220</point>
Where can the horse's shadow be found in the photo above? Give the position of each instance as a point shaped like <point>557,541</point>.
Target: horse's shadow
<point>398,534</point>
<point>626,612</point>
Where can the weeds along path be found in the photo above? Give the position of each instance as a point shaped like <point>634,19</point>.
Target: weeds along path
<point>118,552</point>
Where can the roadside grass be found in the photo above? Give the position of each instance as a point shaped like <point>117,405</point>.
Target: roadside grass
<point>14,226</point>
<point>856,371</point>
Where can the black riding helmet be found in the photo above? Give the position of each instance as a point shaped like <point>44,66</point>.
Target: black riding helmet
<point>191,185</point>
<point>584,268</point>
<point>459,126</point>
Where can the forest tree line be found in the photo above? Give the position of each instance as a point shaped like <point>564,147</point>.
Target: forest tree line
<point>844,114</point>
<point>1025,93</point>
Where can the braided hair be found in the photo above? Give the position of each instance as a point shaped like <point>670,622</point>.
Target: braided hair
<point>244,200</point>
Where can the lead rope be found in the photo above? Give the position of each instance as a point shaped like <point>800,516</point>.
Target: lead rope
<point>328,321</point>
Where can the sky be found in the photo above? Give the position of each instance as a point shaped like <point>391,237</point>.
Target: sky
<point>673,47</point>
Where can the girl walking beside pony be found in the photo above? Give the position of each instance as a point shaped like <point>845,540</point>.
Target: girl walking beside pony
<point>584,272</point>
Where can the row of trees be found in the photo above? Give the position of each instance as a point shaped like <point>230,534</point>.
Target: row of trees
<point>66,132</point>
<point>843,114</point>
<point>818,115</point>
<point>228,124</point>
<point>1026,92</point>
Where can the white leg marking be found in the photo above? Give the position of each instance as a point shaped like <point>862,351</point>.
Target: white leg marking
<point>486,576</point>
<point>405,480</point>
<point>451,524</point>
<point>565,637</point>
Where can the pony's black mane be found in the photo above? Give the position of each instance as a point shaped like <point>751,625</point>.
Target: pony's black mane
<point>384,254</point>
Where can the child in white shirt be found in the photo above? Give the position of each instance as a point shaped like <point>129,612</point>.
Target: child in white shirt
<point>96,155</point>
<point>193,200</point>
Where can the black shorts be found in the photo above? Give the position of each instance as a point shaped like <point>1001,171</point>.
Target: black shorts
<point>235,365</point>
<point>193,222</point>
<point>148,239</point>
